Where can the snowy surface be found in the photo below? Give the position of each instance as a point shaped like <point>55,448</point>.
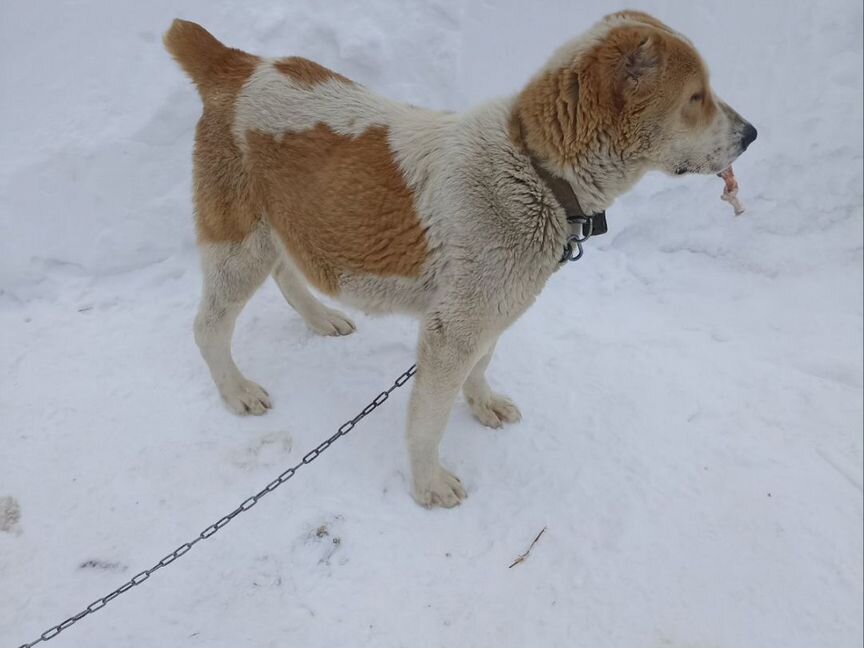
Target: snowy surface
<point>691,390</point>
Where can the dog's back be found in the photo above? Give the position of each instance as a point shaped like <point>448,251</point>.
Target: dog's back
<point>304,149</point>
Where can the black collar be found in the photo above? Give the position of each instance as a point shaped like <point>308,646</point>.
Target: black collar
<point>589,224</point>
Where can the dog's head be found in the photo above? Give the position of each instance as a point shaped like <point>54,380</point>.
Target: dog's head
<point>634,93</point>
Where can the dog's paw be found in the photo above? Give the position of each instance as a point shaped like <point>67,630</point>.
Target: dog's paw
<point>246,397</point>
<point>444,490</point>
<point>331,322</point>
<point>495,411</point>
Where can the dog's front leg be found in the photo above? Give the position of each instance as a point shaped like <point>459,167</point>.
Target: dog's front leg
<point>445,355</point>
<point>488,407</point>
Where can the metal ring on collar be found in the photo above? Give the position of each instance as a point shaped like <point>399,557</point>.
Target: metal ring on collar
<point>586,225</point>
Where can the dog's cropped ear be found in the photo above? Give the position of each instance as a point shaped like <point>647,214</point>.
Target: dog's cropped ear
<point>627,65</point>
<point>640,64</point>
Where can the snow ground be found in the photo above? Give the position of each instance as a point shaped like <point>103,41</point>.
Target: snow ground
<point>691,390</point>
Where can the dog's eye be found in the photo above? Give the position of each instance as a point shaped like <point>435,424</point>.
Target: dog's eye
<point>697,97</point>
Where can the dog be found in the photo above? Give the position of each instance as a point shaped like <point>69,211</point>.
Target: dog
<point>458,219</point>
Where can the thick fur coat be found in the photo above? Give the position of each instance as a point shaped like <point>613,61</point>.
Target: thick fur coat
<point>309,177</point>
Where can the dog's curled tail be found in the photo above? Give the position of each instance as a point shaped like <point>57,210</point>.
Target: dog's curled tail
<point>209,63</point>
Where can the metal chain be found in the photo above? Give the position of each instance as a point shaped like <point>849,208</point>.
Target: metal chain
<point>245,505</point>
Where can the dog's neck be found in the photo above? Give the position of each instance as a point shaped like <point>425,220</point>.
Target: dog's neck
<point>594,181</point>
<point>562,190</point>
<point>598,185</point>
<point>597,178</point>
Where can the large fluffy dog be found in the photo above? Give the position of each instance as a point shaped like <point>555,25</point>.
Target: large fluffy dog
<point>308,176</point>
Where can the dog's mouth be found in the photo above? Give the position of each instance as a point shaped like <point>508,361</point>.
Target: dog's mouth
<point>702,169</point>
<point>709,166</point>
<point>717,169</point>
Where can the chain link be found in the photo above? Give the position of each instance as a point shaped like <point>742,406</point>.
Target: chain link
<point>245,505</point>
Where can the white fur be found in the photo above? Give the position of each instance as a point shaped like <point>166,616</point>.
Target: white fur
<point>232,273</point>
<point>271,102</point>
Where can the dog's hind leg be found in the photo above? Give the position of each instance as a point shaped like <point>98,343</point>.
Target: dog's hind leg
<point>488,407</point>
<point>232,273</point>
<point>318,317</point>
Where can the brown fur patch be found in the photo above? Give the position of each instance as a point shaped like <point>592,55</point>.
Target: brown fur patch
<point>339,204</point>
<point>223,209</point>
<point>307,73</point>
<point>544,118</point>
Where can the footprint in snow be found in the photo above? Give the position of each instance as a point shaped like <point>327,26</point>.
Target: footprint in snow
<point>10,515</point>
<point>267,451</point>
<point>104,565</point>
<point>322,542</point>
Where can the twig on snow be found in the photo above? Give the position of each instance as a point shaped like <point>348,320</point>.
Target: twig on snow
<point>525,555</point>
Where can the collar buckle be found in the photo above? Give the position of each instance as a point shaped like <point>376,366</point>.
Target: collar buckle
<point>589,225</point>
<point>586,227</point>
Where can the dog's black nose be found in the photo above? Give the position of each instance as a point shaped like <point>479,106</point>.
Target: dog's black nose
<point>748,137</point>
